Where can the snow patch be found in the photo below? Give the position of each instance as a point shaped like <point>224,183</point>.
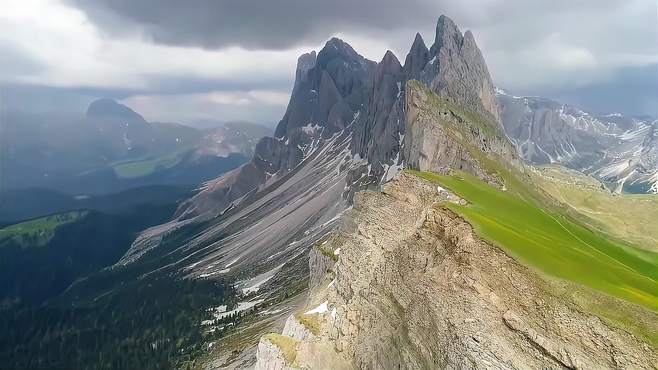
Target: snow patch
<point>220,272</point>
<point>220,312</point>
<point>322,308</point>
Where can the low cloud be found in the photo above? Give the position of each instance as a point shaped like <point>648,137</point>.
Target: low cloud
<point>255,106</point>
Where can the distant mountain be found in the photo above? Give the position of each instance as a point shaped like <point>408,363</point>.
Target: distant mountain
<point>109,109</point>
<point>619,150</point>
<point>113,148</point>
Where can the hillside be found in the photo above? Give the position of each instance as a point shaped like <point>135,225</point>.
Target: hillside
<point>629,217</point>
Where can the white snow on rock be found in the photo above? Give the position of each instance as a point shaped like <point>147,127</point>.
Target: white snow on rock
<point>322,308</point>
<point>253,285</point>
<point>220,312</point>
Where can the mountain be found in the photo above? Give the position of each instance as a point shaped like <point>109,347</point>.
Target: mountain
<point>619,150</point>
<point>113,148</point>
<point>388,223</point>
<point>343,130</point>
<point>110,110</point>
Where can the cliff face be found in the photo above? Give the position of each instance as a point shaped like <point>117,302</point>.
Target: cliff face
<point>441,136</point>
<point>425,292</point>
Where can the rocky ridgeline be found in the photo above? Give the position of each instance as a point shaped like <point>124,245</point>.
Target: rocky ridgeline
<point>426,292</point>
<point>341,91</point>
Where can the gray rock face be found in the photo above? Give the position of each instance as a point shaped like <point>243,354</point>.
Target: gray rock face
<point>417,58</point>
<point>621,151</point>
<point>379,129</point>
<point>439,136</point>
<point>457,71</point>
<point>329,93</point>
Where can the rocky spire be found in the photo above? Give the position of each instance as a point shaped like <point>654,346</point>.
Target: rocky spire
<point>457,71</point>
<point>328,91</point>
<point>305,63</point>
<point>447,35</point>
<point>417,58</point>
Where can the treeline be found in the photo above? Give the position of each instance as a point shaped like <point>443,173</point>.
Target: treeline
<point>32,274</point>
<point>153,324</point>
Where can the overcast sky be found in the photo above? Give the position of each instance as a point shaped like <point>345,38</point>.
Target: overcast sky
<point>174,60</point>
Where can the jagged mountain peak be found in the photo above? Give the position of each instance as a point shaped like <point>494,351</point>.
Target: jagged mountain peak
<point>418,41</point>
<point>306,61</point>
<point>337,48</point>
<point>458,72</point>
<point>447,33</point>
<point>417,58</point>
<point>328,93</point>
<point>110,109</point>
<point>390,59</point>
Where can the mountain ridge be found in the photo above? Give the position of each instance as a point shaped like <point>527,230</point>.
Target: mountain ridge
<point>619,150</point>
<point>340,93</point>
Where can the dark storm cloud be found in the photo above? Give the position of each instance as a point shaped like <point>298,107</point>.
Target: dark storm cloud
<point>258,24</point>
<point>253,24</point>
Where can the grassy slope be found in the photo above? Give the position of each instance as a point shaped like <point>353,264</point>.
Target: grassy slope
<point>553,242</point>
<point>146,166</point>
<point>38,232</point>
<point>630,217</point>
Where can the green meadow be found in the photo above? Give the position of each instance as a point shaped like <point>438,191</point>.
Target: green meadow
<point>146,166</point>
<point>553,242</point>
<point>38,232</point>
<point>629,217</point>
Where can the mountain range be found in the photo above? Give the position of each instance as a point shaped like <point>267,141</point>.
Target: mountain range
<point>619,150</point>
<point>392,221</point>
<point>112,148</point>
